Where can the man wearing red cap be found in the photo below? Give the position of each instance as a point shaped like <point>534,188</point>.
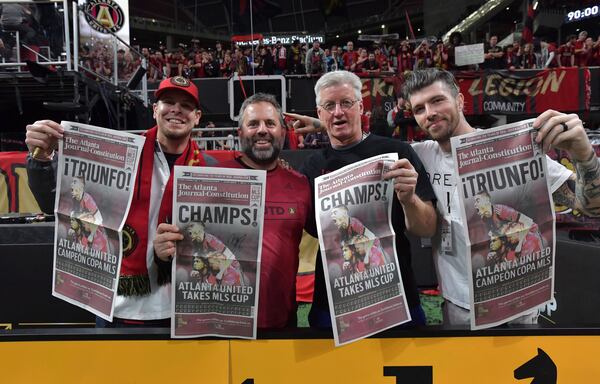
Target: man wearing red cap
<point>144,295</point>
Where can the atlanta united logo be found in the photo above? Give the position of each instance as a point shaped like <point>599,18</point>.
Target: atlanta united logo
<point>130,240</point>
<point>104,15</point>
<point>180,81</point>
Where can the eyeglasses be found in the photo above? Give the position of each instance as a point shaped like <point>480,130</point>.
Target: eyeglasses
<point>344,105</point>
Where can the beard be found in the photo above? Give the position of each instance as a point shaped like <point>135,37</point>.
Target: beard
<point>261,156</point>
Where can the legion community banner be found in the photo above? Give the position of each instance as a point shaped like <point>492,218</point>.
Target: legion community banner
<point>525,92</point>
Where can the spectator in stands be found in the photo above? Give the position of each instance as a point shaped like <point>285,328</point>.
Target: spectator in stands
<point>123,72</point>
<point>423,55</point>
<point>144,293</point>
<point>219,54</point>
<point>493,54</point>
<point>228,66</point>
<point>315,60</point>
<point>334,62</point>
<point>267,65</point>
<point>528,59</point>
<point>566,52</point>
<point>587,58</point>
<point>357,66</point>
<point>371,66</point>
<point>455,40</point>
<point>350,56</point>
<point>103,65</point>
<point>580,57</point>
<point>405,58</point>
<point>159,66</point>
<point>130,63</point>
<point>240,62</point>
<point>211,66</point>
<point>294,59</point>
<point>392,58</point>
<point>510,58</point>
<point>440,55</point>
<point>548,54</point>
<point>280,54</point>
<point>596,52</point>
<point>196,66</point>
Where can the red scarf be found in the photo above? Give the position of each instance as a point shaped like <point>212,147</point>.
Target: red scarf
<point>134,279</point>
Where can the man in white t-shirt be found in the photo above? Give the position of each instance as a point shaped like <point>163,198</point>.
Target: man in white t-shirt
<point>437,105</point>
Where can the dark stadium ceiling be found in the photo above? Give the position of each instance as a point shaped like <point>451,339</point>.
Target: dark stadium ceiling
<point>211,19</point>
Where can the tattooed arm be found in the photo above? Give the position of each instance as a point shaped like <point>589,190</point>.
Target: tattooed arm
<point>566,132</point>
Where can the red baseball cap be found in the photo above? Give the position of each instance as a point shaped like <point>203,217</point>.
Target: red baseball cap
<point>181,83</point>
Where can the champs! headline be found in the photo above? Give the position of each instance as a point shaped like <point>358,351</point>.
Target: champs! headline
<point>357,195</point>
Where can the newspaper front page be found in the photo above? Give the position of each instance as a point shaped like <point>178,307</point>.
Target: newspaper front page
<point>216,273</point>
<point>95,181</point>
<point>507,208</point>
<point>364,286</point>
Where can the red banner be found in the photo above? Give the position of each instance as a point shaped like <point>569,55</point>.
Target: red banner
<point>525,92</point>
<point>15,195</point>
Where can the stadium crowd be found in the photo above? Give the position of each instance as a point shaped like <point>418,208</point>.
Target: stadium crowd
<point>388,58</point>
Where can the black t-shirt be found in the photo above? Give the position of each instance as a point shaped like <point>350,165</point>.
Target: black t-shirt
<point>329,160</point>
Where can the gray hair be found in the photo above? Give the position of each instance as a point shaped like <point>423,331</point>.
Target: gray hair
<point>417,80</point>
<point>332,79</point>
<point>261,98</point>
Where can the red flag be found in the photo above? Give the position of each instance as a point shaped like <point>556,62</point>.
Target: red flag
<point>527,36</point>
<point>412,33</point>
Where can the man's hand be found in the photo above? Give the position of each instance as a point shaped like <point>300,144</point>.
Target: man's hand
<point>405,180</point>
<point>305,124</point>
<point>563,131</point>
<point>164,243</point>
<point>43,134</point>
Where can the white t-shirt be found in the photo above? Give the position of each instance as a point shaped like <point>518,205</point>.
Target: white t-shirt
<point>451,266</point>
<point>157,304</point>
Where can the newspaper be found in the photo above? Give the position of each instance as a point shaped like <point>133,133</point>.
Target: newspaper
<point>216,272</point>
<point>96,175</point>
<point>358,249</point>
<point>507,207</point>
